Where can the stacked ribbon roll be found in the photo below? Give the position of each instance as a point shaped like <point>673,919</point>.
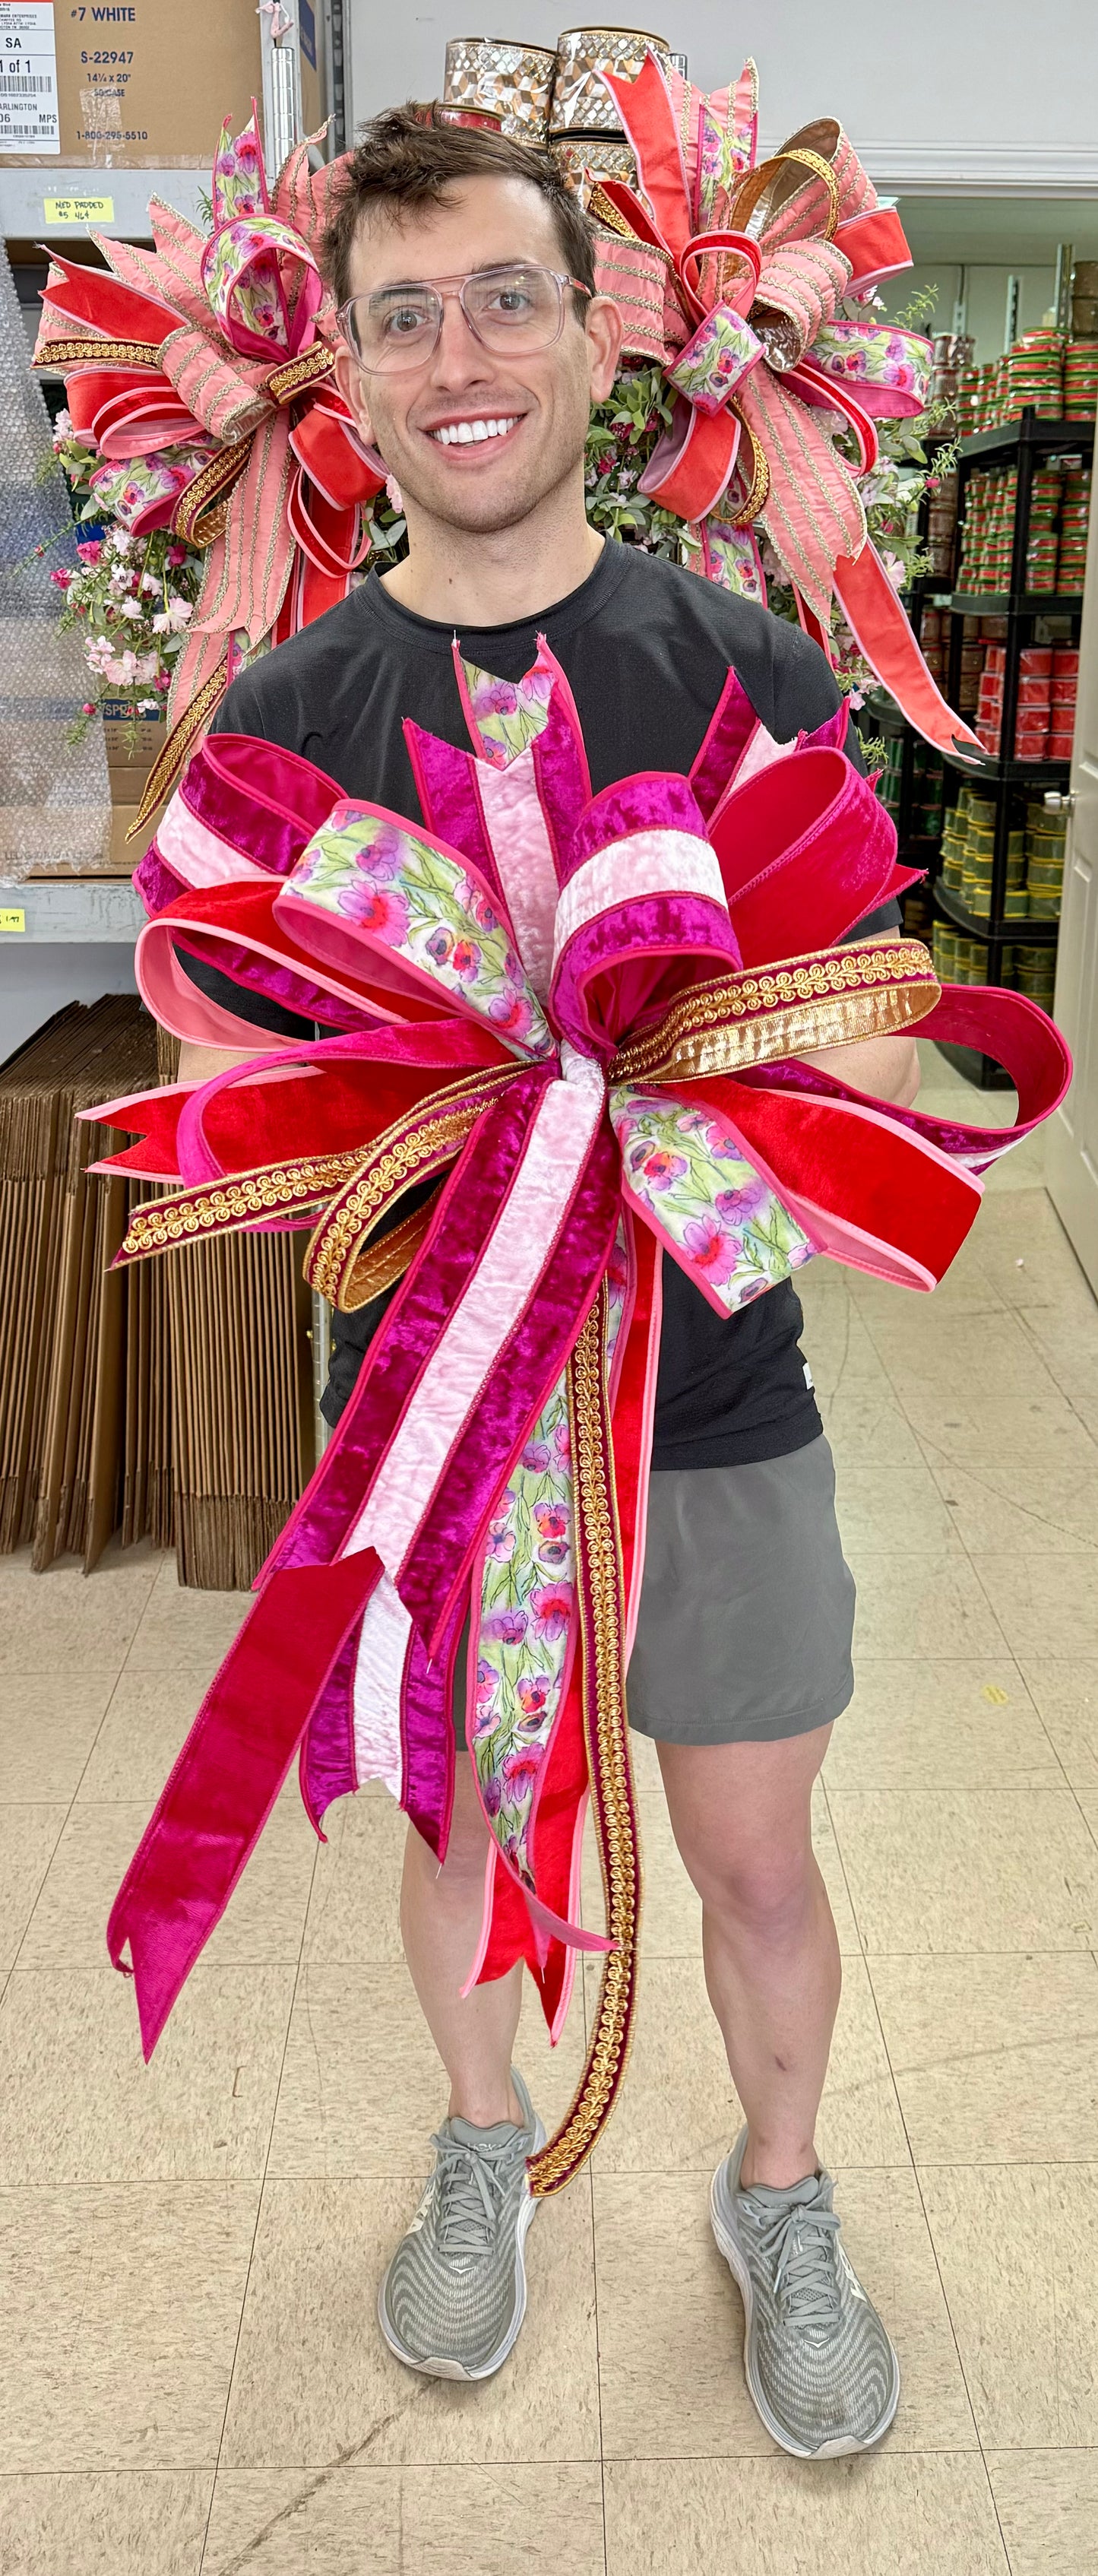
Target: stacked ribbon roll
<point>579,1016</point>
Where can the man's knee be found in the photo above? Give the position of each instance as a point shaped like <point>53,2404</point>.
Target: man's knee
<point>762,1884</point>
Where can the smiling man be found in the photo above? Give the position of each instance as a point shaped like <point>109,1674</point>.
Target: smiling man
<point>474,348</point>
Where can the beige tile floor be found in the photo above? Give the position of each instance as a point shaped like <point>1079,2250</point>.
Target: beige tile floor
<point>190,2373</point>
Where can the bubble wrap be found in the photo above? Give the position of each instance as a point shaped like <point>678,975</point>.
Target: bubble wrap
<point>55,808</point>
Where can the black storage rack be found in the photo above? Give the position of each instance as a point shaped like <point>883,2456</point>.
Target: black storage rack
<point>1026,441</point>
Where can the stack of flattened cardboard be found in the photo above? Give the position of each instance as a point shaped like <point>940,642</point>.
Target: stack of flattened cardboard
<point>244,1424</point>
<point>173,1395</point>
<point>64,1393</point>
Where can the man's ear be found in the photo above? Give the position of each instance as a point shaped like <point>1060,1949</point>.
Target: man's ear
<point>604,337</point>
<point>352,386</point>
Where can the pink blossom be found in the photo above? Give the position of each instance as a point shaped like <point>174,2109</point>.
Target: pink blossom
<point>376,909</point>
<point>507,1627</point>
<point>521,1768</point>
<point>465,959</point>
<point>89,549</point>
<point>487,1677</point>
<point>661,1168</point>
<point>738,1206</point>
<point>61,578</point>
<point>535,1457</point>
<point>551,1520</point>
<point>562,1444</point>
<point>501,1542</point>
<point>383,856</point>
<point>552,1605</point>
<point>439,944</point>
<point>511,1014</point>
<point>175,556</point>
<point>711,1250</point>
<point>491,1791</point>
<point>495,698</point>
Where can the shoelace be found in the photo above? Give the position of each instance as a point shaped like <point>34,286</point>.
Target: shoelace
<point>472,2184</point>
<point>800,2242</point>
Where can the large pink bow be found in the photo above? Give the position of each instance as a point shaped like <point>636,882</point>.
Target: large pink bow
<point>733,275</point>
<point>203,373</point>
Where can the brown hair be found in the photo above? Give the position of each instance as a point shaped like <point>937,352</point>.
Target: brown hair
<point>411,156</point>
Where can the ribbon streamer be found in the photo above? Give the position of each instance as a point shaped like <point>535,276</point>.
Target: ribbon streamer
<point>646,1102</point>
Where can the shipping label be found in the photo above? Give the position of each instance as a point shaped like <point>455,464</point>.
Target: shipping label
<point>29,113</point>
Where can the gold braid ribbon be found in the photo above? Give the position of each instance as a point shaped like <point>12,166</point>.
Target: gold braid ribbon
<point>601,1606</point>
<point>836,998</point>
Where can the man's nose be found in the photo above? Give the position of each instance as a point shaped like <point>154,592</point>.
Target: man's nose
<point>460,358</point>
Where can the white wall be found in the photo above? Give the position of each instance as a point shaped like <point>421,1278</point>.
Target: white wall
<point>1014,90</point>
<point>43,976</point>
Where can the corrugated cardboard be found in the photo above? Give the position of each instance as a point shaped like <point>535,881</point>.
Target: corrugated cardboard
<point>142,84</point>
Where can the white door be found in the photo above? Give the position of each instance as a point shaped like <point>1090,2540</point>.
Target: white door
<point>1071,1163</point>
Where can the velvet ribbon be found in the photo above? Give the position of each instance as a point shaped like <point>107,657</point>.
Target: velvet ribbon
<point>740,300</point>
<point>648,988</point>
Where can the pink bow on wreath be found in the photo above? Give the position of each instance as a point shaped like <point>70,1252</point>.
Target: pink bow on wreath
<point>203,373</point>
<point>732,275</point>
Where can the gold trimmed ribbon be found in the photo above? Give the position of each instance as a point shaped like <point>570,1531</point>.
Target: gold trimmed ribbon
<point>600,1595</point>
<point>869,988</point>
<point>170,763</point>
<point>428,1136</point>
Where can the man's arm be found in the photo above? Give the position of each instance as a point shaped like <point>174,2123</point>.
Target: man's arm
<point>201,1063</point>
<point>888,1068</point>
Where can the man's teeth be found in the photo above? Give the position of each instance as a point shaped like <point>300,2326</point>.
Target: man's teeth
<point>461,433</point>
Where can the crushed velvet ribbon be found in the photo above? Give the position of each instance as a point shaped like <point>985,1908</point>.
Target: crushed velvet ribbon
<point>674,899</point>
<point>732,274</point>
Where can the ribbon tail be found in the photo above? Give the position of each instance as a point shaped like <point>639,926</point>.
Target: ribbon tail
<point>212,1811</point>
<point>602,1628</point>
<point>883,634</point>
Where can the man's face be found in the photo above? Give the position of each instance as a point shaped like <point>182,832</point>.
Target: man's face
<point>544,396</point>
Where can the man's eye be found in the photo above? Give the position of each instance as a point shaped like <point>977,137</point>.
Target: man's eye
<point>402,320</point>
<point>512,300</point>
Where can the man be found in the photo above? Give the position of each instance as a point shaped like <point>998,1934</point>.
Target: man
<point>474,347</point>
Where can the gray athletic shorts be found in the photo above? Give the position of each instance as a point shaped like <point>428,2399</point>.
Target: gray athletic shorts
<point>747,1607</point>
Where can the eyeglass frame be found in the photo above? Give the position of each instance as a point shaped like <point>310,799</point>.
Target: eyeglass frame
<point>459,281</point>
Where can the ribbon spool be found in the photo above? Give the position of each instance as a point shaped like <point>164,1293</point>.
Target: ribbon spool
<point>581,102</point>
<point>513,81</point>
<point>585,161</point>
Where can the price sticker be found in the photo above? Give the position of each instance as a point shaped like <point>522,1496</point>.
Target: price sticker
<point>79,210</point>
<point>12,917</point>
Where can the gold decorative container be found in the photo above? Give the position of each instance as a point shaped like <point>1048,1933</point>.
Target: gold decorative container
<point>581,103</point>
<point>587,159</point>
<point>514,82</point>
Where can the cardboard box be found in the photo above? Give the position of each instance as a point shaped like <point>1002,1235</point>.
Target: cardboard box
<point>128,84</point>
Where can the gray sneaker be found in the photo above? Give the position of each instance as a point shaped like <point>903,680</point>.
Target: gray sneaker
<point>454,2296</point>
<point>820,2369</point>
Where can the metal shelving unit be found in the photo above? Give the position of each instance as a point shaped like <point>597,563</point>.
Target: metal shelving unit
<point>25,193</point>
<point>1024,442</point>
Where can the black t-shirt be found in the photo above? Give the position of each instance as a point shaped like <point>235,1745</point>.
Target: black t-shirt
<point>646,647</point>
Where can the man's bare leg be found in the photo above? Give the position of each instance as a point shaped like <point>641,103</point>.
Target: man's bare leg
<point>741,1816</point>
<point>440,1919</point>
